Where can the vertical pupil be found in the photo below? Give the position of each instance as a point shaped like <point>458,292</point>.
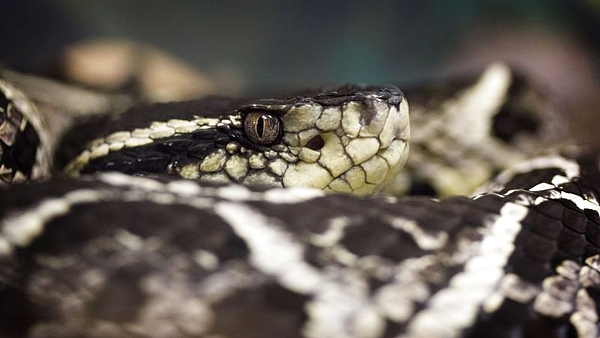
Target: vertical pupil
<point>260,126</point>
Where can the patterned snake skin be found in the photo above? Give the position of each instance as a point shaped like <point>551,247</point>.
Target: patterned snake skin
<point>112,255</point>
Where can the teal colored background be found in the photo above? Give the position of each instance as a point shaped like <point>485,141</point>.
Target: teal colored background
<point>292,43</point>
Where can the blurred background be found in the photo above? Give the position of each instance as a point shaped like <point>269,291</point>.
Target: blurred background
<point>253,46</point>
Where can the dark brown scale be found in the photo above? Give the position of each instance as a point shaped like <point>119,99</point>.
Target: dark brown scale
<point>571,242</point>
<point>574,220</point>
<point>592,233</point>
<point>544,225</point>
<point>538,247</point>
<point>553,209</point>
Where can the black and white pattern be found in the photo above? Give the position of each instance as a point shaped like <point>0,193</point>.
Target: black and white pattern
<point>24,152</point>
<point>111,255</point>
<point>236,262</point>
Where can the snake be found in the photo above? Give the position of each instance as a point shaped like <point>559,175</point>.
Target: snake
<point>302,216</point>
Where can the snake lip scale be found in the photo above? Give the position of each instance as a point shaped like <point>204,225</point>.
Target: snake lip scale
<point>145,253</point>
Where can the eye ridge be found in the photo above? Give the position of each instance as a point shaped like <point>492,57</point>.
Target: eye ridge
<point>262,128</point>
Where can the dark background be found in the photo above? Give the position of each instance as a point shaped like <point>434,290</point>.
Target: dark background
<point>289,44</point>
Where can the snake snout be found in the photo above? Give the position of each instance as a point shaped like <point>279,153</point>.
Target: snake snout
<point>354,146</point>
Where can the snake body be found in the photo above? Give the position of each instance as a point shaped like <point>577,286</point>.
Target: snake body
<point>115,255</point>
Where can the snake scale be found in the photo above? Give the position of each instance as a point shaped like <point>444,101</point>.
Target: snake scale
<point>146,236</point>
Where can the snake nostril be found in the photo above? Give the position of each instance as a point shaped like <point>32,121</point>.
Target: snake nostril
<point>316,143</point>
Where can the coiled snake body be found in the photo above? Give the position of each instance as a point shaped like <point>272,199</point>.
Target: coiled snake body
<point>115,255</point>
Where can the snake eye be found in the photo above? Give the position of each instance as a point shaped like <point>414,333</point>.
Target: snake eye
<point>262,128</point>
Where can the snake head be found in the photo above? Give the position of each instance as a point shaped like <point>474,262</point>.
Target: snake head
<point>351,139</point>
